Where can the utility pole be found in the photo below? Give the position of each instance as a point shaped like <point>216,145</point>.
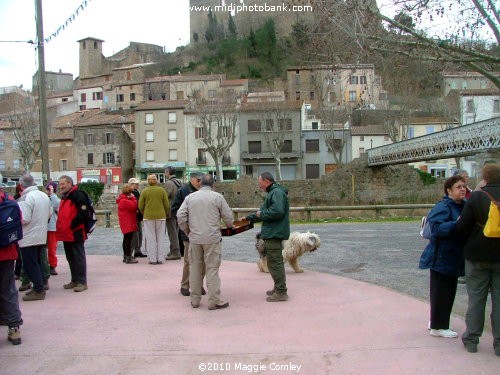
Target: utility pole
<point>42,101</point>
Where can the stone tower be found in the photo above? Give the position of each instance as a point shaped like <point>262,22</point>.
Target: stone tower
<point>91,57</point>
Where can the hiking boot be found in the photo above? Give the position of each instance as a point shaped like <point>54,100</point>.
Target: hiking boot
<point>185,292</point>
<point>14,335</point>
<point>70,285</point>
<point>46,284</point>
<point>173,256</point>
<point>25,286</point>
<point>80,287</point>
<point>34,296</point>
<point>195,305</point>
<point>471,347</point>
<point>130,260</point>
<point>447,333</point>
<point>53,271</point>
<point>270,292</point>
<point>219,306</point>
<point>277,297</point>
<point>139,255</point>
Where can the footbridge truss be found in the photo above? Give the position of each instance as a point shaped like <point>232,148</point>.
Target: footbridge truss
<point>460,141</point>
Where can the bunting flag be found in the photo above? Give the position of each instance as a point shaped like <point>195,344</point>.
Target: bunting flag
<point>70,19</point>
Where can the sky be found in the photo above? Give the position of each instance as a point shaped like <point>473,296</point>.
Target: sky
<point>117,22</point>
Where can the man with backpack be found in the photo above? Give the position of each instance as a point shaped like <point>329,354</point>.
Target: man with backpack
<point>10,314</point>
<point>172,184</point>
<point>71,229</point>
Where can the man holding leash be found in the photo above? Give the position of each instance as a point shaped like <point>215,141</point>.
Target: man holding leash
<point>274,214</point>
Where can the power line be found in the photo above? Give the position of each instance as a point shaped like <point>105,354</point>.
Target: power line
<point>17,41</point>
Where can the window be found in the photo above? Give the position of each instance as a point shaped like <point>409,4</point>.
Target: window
<point>312,79</point>
<point>120,98</point>
<point>108,138</point>
<point>84,45</point>
<point>83,107</point>
<point>352,96</point>
<point>202,157</point>
<point>254,126</point>
<point>150,136</point>
<point>249,170</point>
<point>172,154</point>
<point>108,158</point>
<point>469,106</point>
<point>129,76</point>
<point>132,128</point>
<point>199,132</point>
<point>83,97</point>
<point>97,95</point>
<point>132,96</point>
<point>312,145</point>
<point>149,119</point>
<point>180,95</point>
<point>269,125</point>
<point>150,155</point>
<point>314,125</point>
<point>361,138</point>
<point>63,165</point>
<point>297,95</point>
<point>297,79</point>
<point>287,146</point>
<point>16,164</point>
<point>496,106</point>
<point>90,158</point>
<point>172,117</point>
<point>361,150</point>
<point>2,165</point>
<point>464,85</point>
<point>285,124</point>
<point>353,80</point>
<point>95,45</point>
<point>172,135</point>
<point>312,171</point>
<point>15,144</point>
<point>311,95</point>
<point>2,145</point>
<point>90,139</point>
<point>362,80</point>
<point>254,147</point>
<point>225,131</point>
<point>1,133</point>
<point>212,93</point>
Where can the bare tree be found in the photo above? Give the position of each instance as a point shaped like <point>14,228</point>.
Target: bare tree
<point>335,123</point>
<point>276,120</point>
<point>216,132</point>
<point>25,125</point>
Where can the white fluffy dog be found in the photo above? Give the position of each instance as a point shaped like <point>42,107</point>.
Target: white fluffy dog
<point>293,248</point>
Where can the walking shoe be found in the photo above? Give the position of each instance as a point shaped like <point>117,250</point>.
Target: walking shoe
<point>46,284</point>
<point>70,285</point>
<point>34,296</point>
<point>173,256</point>
<point>277,297</point>
<point>159,262</point>
<point>80,287</point>
<point>471,347</point>
<point>130,260</point>
<point>14,335</point>
<point>185,292</point>
<point>447,333</point>
<point>53,271</point>
<point>220,306</point>
<point>195,305</point>
<point>25,286</point>
<point>270,292</point>
<point>139,255</point>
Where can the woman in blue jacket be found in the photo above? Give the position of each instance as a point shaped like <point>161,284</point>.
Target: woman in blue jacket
<point>444,256</point>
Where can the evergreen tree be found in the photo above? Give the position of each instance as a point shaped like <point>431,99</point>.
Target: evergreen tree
<point>231,26</point>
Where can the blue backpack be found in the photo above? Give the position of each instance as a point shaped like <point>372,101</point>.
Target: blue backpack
<point>11,228</point>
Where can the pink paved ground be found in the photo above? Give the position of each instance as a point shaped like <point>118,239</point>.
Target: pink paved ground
<point>133,320</point>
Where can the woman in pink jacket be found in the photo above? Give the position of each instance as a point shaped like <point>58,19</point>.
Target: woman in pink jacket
<point>127,212</point>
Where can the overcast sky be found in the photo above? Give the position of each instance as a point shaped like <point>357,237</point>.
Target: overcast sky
<point>117,22</point>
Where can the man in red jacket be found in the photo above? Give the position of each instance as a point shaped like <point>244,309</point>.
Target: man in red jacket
<point>70,228</point>
<point>10,315</point>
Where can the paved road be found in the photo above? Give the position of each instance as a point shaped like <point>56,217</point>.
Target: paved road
<point>384,254</point>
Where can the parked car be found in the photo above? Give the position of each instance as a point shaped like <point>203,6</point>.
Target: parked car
<point>3,185</point>
<point>11,183</point>
<point>89,179</point>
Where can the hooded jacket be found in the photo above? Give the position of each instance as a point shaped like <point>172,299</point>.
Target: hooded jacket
<point>127,213</point>
<point>274,213</point>
<point>73,213</point>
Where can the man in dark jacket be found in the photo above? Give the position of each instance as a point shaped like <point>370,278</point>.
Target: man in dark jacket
<point>181,194</point>
<point>70,228</point>
<point>482,262</point>
<point>274,214</point>
<point>172,184</point>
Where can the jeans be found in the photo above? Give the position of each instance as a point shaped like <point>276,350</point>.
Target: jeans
<point>481,278</point>
<point>33,265</point>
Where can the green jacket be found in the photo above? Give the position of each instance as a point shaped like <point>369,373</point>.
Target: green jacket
<point>154,204</point>
<point>274,214</point>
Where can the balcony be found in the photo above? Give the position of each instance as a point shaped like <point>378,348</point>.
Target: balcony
<point>201,161</point>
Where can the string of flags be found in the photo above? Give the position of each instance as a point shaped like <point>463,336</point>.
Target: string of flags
<point>70,19</point>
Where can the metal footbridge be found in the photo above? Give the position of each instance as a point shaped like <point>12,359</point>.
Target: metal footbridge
<point>463,140</point>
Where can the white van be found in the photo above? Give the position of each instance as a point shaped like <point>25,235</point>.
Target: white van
<point>89,179</point>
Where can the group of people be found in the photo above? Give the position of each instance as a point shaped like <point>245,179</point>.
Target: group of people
<point>458,246</point>
<point>45,219</point>
<point>193,213</point>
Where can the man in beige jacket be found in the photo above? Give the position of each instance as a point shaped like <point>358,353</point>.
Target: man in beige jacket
<point>199,217</point>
